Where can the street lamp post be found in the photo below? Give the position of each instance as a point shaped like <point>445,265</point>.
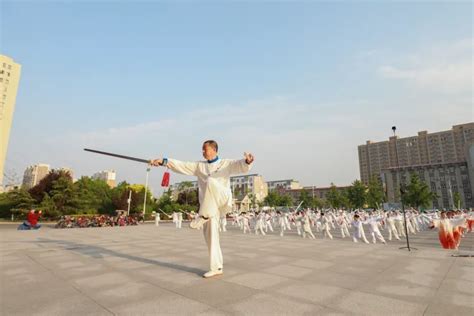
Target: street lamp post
<point>129,200</point>
<point>402,192</point>
<point>146,189</point>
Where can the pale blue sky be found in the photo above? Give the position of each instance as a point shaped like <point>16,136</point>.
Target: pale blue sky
<point>306,81</point>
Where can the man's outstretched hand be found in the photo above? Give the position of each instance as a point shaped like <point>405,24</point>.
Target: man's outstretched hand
<point>248,158</point>
<point>156,162</point>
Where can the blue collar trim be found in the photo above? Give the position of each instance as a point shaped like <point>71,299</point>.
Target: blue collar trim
<point>213,160</point>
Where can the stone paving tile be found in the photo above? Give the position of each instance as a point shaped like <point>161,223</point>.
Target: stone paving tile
<point>320,294</point>
<point>216,292</point>
<point>289,271</point>
<point>265,304</point>
<point>370,304</point>
<point>258,280</point>
<point>457,287</point>
<point>166,304</point>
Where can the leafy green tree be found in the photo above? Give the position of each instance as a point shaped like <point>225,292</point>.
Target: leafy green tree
<point>333,197</point>
<point>188,197</point>
<point>457,200</point>
<point>94,195</point>
<point>63,195</point>
<point>357,194</point>
<point>46,184</point>
<point>286,200</point>
<point>272,199</point>
<point>18,200</point>
<point>317,203</point>
<point>166,203</point>
<point>375,193</point>
<point>344,200</point>
<point>305,198</point>
<point>417,193</point>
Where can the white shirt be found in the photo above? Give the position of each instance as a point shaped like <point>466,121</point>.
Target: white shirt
<point>218,172</point>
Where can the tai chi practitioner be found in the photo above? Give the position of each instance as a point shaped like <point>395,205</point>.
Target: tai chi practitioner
<point>325,226</point>
<point>449,236</point>
<point>246,223</point>
<point>180,220</point>
<point>307,226</point>
<point>268,222</point>
<point>298,219</point>
<point>223,224</point>
<point>175,219</point>
<point>358,230</point>
<point>390,225</point>
<point>343,224</point>
<point>374,223</point>
<point>399,224</point>
<point>157,219</point>
<point>260,224</point>
<point>215,194</point>
<point>281,223</point>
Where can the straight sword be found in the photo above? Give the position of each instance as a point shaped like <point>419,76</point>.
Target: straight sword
<point>147,161</point>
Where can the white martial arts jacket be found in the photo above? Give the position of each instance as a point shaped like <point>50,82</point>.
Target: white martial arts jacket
<point>216,173</point>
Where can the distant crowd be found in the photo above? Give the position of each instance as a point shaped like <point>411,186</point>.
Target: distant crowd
<point>97,221</point>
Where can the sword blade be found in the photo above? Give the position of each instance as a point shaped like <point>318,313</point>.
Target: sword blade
<point>118,156</point>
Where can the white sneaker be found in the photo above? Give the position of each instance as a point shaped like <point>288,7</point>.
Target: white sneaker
<point>197,224</point>
<point>211,274</point>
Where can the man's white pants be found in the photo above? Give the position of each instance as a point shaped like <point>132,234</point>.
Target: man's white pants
<point>214,205</point>
<point>211,235</point>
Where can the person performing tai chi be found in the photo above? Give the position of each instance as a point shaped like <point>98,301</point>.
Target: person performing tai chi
<point>215,194</point>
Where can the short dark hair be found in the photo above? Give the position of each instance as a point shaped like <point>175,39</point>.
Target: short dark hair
<point>211,143</point>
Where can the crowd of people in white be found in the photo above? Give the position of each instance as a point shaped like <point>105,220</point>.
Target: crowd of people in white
<point>360,225</point>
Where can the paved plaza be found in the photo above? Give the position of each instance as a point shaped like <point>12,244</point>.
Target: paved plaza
<point>145,270</point>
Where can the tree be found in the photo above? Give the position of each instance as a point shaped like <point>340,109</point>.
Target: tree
<point>188,196</point>
<point>285,200</point>
<point>357,194</point>
<point>94,195</point>
<point>63,195</point>
<point>276,199</point>
<point>417,193</point>
<point>272,199</point>
<point>333,197</point>
<point>166,204</point>
<point>457,200</point>
<point>375,193</point>
<point>316,203</point>
<point>46,184</point>
<point>18,200</point>
<point>344,199</point>
<point>305,198</point>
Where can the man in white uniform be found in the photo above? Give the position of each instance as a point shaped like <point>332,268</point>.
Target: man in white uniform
<point>215,195</point>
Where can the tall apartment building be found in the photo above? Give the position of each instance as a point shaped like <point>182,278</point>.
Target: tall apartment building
<point>9,81</point>
<point>108,176</point>
<point>34,174</point>
<point>424,149</point>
